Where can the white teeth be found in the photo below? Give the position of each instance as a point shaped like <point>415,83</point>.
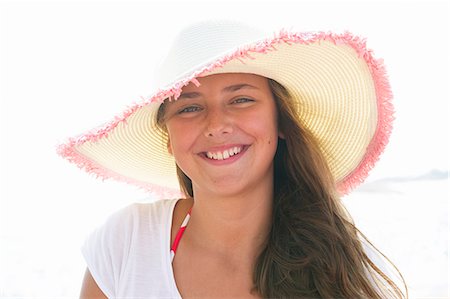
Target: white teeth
<point>225,154</point>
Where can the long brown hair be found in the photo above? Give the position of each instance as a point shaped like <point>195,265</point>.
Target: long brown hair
<point>313,249</point>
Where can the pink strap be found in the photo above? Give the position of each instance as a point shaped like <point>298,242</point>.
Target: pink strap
<point>180,233</point>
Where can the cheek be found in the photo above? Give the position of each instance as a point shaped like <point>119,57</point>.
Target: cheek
<point>179,138</point>
<point>264,125</point>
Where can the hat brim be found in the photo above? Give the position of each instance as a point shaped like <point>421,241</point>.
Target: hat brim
<point>341,92</point>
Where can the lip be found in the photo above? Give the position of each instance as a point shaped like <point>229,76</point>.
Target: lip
<point>229,160</point>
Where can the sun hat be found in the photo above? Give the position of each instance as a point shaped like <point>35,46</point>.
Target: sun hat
<point>340,89</point>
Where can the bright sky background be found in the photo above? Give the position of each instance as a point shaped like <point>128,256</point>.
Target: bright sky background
<point>66,67</point>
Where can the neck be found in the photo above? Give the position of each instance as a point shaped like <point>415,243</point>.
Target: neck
<point>235,225</point>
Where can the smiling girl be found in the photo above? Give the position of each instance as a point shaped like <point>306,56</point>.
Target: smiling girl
<point>262,135</point>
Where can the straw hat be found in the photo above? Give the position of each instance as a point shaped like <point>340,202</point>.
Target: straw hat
<point>342,92</point>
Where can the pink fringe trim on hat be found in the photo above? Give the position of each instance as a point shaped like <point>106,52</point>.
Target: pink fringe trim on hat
<point>375,148</point>
<point>69,152</point>
<point>383,130</point>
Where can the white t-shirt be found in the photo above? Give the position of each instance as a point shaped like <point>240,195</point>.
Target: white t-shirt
<point>129,256</point>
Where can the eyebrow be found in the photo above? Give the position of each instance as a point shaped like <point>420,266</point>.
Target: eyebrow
<point>231,88</point>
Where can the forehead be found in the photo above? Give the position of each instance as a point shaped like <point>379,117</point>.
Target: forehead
<point>219,81</point>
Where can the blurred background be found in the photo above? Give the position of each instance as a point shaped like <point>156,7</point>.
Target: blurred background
<point>66,67</point>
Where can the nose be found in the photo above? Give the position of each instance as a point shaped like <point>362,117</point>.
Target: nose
<point>218,124</point>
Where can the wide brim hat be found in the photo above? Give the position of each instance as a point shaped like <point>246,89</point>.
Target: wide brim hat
<point>340,90</point>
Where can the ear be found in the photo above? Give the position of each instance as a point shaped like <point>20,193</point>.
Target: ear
<point>280,134</point>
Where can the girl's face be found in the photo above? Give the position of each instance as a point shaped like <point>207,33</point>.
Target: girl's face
<point>223,134</point>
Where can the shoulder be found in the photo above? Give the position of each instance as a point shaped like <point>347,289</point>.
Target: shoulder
<point>137,212</point>
<point>152,218</point>
<point>131,237</point>
<point>138,218</point>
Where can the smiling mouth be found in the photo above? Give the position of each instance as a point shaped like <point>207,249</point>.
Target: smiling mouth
<point>225,154</point>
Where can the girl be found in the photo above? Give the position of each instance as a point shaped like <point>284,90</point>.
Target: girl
<point>263,135</point>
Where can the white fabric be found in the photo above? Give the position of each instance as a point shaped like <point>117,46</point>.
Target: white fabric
<point>129,256</point>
